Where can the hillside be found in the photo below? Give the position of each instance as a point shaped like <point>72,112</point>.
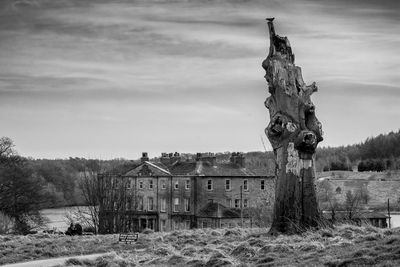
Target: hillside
<point>381,153</point>
<point>344,245</point>
<point>374,154</point>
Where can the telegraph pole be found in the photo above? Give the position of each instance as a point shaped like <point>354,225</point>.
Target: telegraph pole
<point>388,208</point>
<point>241,204</point>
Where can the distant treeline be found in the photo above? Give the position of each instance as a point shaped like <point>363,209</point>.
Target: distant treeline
<point>62,176</point>
<point>378,153</point>
<point>375,154</point>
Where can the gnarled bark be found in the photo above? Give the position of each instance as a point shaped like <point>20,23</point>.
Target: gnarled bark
<point>294,132</point>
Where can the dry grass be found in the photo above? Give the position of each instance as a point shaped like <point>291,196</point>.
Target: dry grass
<point>343,246</point>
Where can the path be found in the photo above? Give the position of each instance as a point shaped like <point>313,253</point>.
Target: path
<point>53,261</point>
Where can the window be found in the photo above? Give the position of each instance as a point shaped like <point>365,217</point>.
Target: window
<point>187,184</point>
<point>151,184</point>
<point>163,206</point>
<point>245,203</point>
<point>209,185</point>
<point>140,184</point>
<point>128,205</point>
<point>338,190</point>
<point>128,184</point>
<point>163,184</point>
<point>176,225</point>
<point>115,205</point>
<point>150,203</point>
<point>140,203</point>
<point>163,225</point>
<point>237,203</point>
<point>245,185</point>
<point>262,184</point>
<point>204,224</point>
<point>229,203</point>
<point>187,225</point>
<point>227,184</point>
<point>187,204</point>
<point>176,186</point>
<point>176,204</point>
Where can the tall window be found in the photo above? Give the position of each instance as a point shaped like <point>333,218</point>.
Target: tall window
<point>228,184</point>
<point>245,185</point>
<point>237,203</point>
<point>128,204</point>
<point>163,184</point>
<point>176,204</point>
<point>187,184</point>
<point>229,203</point>
<point>209,184</point>
<point>150,203</point>
<point>245,203</point>
<point>163,225</point>
<point>151,184</point>
<point>176,186</point>
<point>163,205</point>
<point>187,204</point>
<point>140,203</point>
<point>262,184</point>
<point>140,184</point>
<point>128,184</point>
<point>176,225</point>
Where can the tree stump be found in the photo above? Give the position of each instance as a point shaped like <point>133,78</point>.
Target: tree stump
<point>294,132</point>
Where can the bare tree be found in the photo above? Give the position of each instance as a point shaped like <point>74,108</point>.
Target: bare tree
<point>91,191</point>
<point>352,204</point>
<point>327,199</point>
<point>294,133</point>
<point>261,210</point>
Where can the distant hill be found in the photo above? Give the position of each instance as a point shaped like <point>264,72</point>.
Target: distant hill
<point>378,153</point>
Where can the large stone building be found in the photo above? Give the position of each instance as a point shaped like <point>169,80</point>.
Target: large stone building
<point>174,193</point>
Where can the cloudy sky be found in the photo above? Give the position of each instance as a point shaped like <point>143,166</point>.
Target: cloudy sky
<point>106,79</point>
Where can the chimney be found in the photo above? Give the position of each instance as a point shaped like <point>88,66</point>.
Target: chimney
<point>207,157</point>
<point>145,157</point>
<point>238,159</point>
<point>198,156</point>
<point>176,157</point>
<point>168,159</point>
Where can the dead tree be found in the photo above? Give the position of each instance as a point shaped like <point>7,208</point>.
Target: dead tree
<point>294,132</point>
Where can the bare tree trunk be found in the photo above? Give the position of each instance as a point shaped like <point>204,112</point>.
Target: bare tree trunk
<point>294,132</point>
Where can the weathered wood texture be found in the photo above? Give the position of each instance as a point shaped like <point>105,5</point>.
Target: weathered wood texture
<point>294,132</point>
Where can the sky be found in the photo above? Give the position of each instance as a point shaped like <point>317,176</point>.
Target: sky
<point>111,79</point>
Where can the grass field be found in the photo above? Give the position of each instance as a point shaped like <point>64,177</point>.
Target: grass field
<point>345,245</point>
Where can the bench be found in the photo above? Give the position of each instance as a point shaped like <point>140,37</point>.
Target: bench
<point>128,238</point>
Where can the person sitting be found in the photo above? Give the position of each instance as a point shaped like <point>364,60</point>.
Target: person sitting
<point>70,230</point>
<point>78,229</point>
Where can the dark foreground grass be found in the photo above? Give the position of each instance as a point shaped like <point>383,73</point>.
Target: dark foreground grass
<point>343,246</point>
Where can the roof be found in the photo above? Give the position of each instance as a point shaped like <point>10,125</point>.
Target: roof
<point>148,168</point>
<point>191,168</point>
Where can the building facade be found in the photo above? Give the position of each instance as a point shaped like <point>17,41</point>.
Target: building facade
<point>175,194</point>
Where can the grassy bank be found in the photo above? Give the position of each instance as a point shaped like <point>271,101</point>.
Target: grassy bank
<point>343,246</point>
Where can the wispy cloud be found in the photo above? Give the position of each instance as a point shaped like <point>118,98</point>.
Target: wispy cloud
<point>79,73</point>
